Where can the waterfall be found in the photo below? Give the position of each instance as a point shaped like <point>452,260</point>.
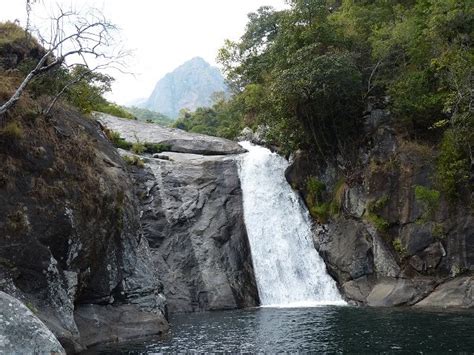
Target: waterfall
<point>288,269</point>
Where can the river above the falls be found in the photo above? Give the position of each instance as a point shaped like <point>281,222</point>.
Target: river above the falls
<point>329,329</point>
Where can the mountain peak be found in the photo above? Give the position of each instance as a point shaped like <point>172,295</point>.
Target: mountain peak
<point>190,86</point>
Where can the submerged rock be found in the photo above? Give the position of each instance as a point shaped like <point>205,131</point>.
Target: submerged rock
<point>108,324</point>
<point>21,332</point>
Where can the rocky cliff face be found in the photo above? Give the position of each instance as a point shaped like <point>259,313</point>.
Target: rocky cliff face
<point>192,216</point>
<point>190,86</point>
<point>71,242</point>
<point>385,246</point>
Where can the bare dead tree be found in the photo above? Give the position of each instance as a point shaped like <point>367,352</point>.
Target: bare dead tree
<point>80,38</point>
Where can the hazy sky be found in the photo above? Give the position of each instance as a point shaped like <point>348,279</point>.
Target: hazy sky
<point>162,33</point>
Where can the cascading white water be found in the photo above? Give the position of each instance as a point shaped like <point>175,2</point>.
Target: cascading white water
<point>288,269</point>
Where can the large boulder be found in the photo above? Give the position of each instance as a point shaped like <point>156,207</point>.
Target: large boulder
<point>192,216</point>
<point>177,140</point>
<point>399,292</point>
<point>458,292</point>
<point>21,332</point>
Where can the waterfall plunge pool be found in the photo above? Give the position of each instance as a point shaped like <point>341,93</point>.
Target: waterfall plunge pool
<point>327,329</point>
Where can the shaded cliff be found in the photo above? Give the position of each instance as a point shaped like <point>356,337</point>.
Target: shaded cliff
<point>71,245</point>
<point>192,215</point>
<point>387,235</point>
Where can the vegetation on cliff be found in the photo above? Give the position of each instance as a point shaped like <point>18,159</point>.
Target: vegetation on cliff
<point>309,72</point>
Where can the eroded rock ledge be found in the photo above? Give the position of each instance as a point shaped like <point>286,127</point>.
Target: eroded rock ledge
<point>178,140</point>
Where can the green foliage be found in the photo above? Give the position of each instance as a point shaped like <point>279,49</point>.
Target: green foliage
<point>143,114</point>
<point>429,199</point>
<point>114,110</point>
<point>320,212</point>
<point>152,148</point>
<point>380,223</point>
<point>372,213</point>
<point>138,148</point>
<point>134,160</point>
<point>438,231</point>
<point>13,130</point>
<point>221,120</point>
<point>307,71</point>
<point>452,168</point>
<point>378,205</point>
<point>398,247</point>
<point>320,204</point>
<point>117,140</point>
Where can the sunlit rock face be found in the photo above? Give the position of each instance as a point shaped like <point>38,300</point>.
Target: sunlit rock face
<point>189,86</point>
<point>193,219</point>
<point>175,139</point>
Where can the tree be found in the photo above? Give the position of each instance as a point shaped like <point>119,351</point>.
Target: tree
<point>85,39</point>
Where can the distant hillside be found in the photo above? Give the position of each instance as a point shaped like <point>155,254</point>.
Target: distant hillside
<point>190,86</point>
<point>143,114</point>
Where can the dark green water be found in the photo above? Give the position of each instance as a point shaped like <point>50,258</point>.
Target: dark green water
<point>321,330</point>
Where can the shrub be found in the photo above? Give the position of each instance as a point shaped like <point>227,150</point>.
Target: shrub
<point>398,246</point>
<point>12,130</point>
<point>429,199</point>
<point>320,212</point>
<point>452,167</point>
<point>380,223</point>
<point>133,160</point>
<point>115,110</point>
<point>118,141</point>
<point>138,148</point>
<point>152,148</point>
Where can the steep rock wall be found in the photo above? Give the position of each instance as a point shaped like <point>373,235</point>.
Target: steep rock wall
<point>192,216</point>
<point>383,246</point>
<point>69,228</point>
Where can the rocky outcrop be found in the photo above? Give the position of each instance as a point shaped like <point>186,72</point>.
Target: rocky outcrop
<point>192,216</point>
<point>193,219</point>
<point>455,293</point>
<point>21,332</point>
<point>70,227</point>
<point>116,323</point>
<point>384,245</point>
<point>175,139</point>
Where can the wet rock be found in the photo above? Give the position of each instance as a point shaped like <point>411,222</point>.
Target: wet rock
<point>111,324</point>
<point>178,140</point>
<point>455,293</point>
<point>21,332</point>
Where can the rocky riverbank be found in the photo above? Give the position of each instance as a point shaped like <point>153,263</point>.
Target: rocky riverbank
<point>388,237</point>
